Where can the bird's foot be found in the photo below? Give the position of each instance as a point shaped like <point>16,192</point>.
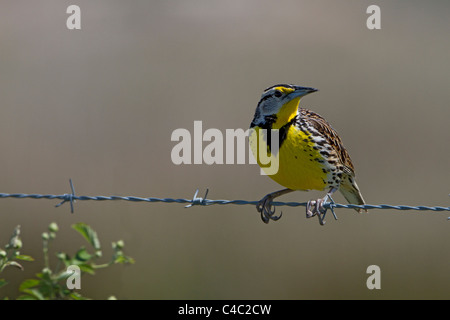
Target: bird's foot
<point>316,207</point>
<point>267,211</point>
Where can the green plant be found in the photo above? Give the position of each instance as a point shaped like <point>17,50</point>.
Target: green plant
<point>53,283</point>
<point>10,254</point>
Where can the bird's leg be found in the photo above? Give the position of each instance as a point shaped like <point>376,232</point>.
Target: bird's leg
<point>315,207</point>
<point>264,206</point>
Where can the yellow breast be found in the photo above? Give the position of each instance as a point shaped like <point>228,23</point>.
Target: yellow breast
<point>299,164</point>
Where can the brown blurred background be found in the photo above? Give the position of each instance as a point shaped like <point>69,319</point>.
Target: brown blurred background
<point>99,105</point>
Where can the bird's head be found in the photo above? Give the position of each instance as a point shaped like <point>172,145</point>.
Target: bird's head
<point>282,101</point>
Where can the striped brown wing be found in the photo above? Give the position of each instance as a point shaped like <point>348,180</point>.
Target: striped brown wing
<point>324,128</point>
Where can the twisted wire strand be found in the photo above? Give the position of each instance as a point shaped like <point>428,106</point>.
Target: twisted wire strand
<point>71,197</point>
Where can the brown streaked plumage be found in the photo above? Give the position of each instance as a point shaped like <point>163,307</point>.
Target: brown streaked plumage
<point>326,131</point>
<point>347,185</point>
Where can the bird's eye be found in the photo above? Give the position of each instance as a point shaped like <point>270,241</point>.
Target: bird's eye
<point>277,94</point>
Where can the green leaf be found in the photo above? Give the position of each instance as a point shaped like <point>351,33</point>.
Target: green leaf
<point>32,294</point>
<point>122,259</point>
<point>29,283</point>
<point>77,296</point>
<point>14,264</point>
<point>24,257</point>
<point>3,282</point>
<point>26,297</point>
<point>88,233</point>
<point>64,258</point>
<point>88,268</point>
<point>83,255</point>
<point>45,275</point>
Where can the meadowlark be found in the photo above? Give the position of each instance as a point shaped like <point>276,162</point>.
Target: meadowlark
<point>310,153</point>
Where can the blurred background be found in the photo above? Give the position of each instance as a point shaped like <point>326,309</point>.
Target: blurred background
<point>99,105</point>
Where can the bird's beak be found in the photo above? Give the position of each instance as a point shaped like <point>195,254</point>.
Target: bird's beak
<point>301,91</point>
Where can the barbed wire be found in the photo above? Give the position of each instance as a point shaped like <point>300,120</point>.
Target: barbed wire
<point>203,201</point>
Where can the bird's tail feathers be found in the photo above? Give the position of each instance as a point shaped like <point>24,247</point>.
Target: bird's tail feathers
<point>351,193</point>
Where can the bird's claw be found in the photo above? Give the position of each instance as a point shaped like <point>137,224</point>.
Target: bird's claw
<point>315,207</point>
<point>266,209</point>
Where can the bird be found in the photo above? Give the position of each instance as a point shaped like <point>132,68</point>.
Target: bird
<point>310,154</point>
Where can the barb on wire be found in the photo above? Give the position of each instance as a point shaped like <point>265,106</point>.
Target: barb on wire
<point>198,200</point>
<point>68,197</point>
<point>71,197</point>
<point>328,205</point>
